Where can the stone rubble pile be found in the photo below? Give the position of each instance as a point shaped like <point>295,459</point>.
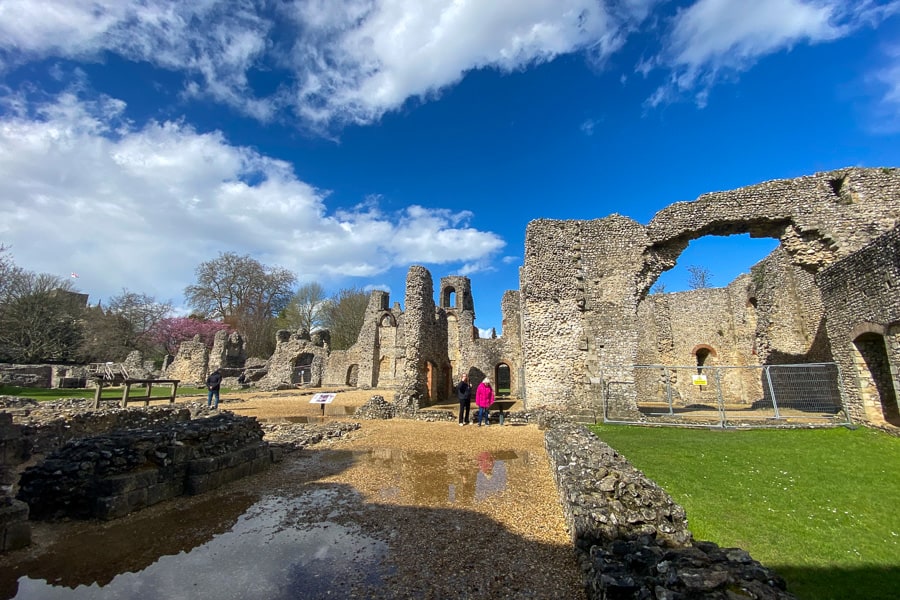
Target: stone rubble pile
<point>296,436</point>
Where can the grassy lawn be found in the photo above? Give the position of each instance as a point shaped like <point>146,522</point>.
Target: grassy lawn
<point>110,393</point>
<point>818,506</point>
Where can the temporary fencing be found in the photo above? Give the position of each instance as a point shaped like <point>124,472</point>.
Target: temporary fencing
<point>725,396</point>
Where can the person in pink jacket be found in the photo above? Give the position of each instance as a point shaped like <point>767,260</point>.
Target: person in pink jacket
<point>484,398</point>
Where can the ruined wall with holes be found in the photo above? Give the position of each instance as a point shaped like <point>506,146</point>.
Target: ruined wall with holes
<point>426,377</point>
<point>378,356</point>
<point>861,294</point>
<point>713,326</point>
<point>582,281</point>
<point>468,352</point>
<point>293,350</point>
<point>773,315</point>
<point>422,351</point>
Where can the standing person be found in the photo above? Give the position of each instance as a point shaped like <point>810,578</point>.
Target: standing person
<point>213,382</point>
<point>464,393</point>
<point>484,398</point>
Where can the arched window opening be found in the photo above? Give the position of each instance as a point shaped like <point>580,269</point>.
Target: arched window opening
<point>352,375</point>
<point>302,371</point>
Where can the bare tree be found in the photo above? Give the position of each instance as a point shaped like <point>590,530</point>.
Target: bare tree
<point>234,286</point>
<point>141,312</point>
<point>306,308</point>
<point>343,316</point>
<point>244,293</point>
<point>658,288</point>
<point>700,277</point>
<point>40,318</point>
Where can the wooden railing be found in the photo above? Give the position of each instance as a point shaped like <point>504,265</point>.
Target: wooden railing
<point>145,395</point>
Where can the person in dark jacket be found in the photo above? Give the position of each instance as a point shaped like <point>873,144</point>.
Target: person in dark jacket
<point>213,382</point>
<point>464,393</point>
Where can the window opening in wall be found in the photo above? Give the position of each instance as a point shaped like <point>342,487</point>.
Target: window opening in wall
<point>502,377</point>
<point>352,375</point>
<point>723,257</point>
<point>429,379</point>
<point>302,372</point>
<point>702,354</point>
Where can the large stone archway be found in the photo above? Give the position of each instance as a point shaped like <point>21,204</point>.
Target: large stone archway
<point>582,281</point>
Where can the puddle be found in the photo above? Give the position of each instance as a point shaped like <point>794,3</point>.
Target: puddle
<point>271,551</point>
<point>332,411</point>
<point>295,538</point>
<point>437,478</point>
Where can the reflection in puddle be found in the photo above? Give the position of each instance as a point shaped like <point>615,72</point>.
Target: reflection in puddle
<point>331,411</point>
<point>302,541</point>
<point>437,478</point>
<point>272,551</point>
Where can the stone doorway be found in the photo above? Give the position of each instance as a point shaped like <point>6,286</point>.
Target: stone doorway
<point>873,371</point>
<point>502,379</point>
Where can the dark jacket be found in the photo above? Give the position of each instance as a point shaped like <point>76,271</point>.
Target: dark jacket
<point>214,380</point>
<point>464,391</point>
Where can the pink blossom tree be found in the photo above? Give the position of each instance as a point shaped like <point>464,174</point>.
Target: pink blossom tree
<point>169,333</point>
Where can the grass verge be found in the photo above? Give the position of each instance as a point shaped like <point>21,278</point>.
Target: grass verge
<point>818,506</point>
<point>109,393</point>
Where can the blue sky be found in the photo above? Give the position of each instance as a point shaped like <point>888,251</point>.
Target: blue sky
<point>346,140</point>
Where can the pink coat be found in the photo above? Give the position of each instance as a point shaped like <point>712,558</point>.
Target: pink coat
<point>484,395</point>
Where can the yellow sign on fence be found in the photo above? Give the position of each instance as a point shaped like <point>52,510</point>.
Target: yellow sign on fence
<point>699,380</point>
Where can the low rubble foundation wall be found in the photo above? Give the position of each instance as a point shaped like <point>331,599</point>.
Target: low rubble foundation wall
<point>631,538</point>
<point>111,475</point>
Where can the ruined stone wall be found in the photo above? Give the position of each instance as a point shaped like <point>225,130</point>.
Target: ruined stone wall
<point>632,540</point>
<point>377,357</point>
<point>579,290</point>
<point>675,327</point>
<point>112,475</point>
<point>292,350</point>
<point>426,373</point>
<point>582,280</point>
<point>467,352</point>
<point>39,376</point>
<point>190,363</point>
<point>862,303</point>
<point>790,313</point>
<point>229,353</point>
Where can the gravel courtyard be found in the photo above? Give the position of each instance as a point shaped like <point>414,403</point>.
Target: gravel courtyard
<point>394,509</point>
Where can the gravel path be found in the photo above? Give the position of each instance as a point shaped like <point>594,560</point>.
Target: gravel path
<point>467,512</point>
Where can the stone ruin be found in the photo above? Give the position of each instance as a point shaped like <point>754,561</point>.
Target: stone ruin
<point>587,317</point>
<point>583,315</point>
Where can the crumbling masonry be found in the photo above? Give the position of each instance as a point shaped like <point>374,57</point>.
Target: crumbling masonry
<point>583,315</point>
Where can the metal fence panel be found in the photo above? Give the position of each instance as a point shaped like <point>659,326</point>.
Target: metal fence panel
<point>723,396</point>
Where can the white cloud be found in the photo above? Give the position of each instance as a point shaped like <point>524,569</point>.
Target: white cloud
<point>712,39</point>
<point>385,52</point>
<point>341,60</point>
<point>142,207</point>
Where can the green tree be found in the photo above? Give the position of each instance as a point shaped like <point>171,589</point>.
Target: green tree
<point>244,293</point>
<point>306,308</point>
<point>343,316</point>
